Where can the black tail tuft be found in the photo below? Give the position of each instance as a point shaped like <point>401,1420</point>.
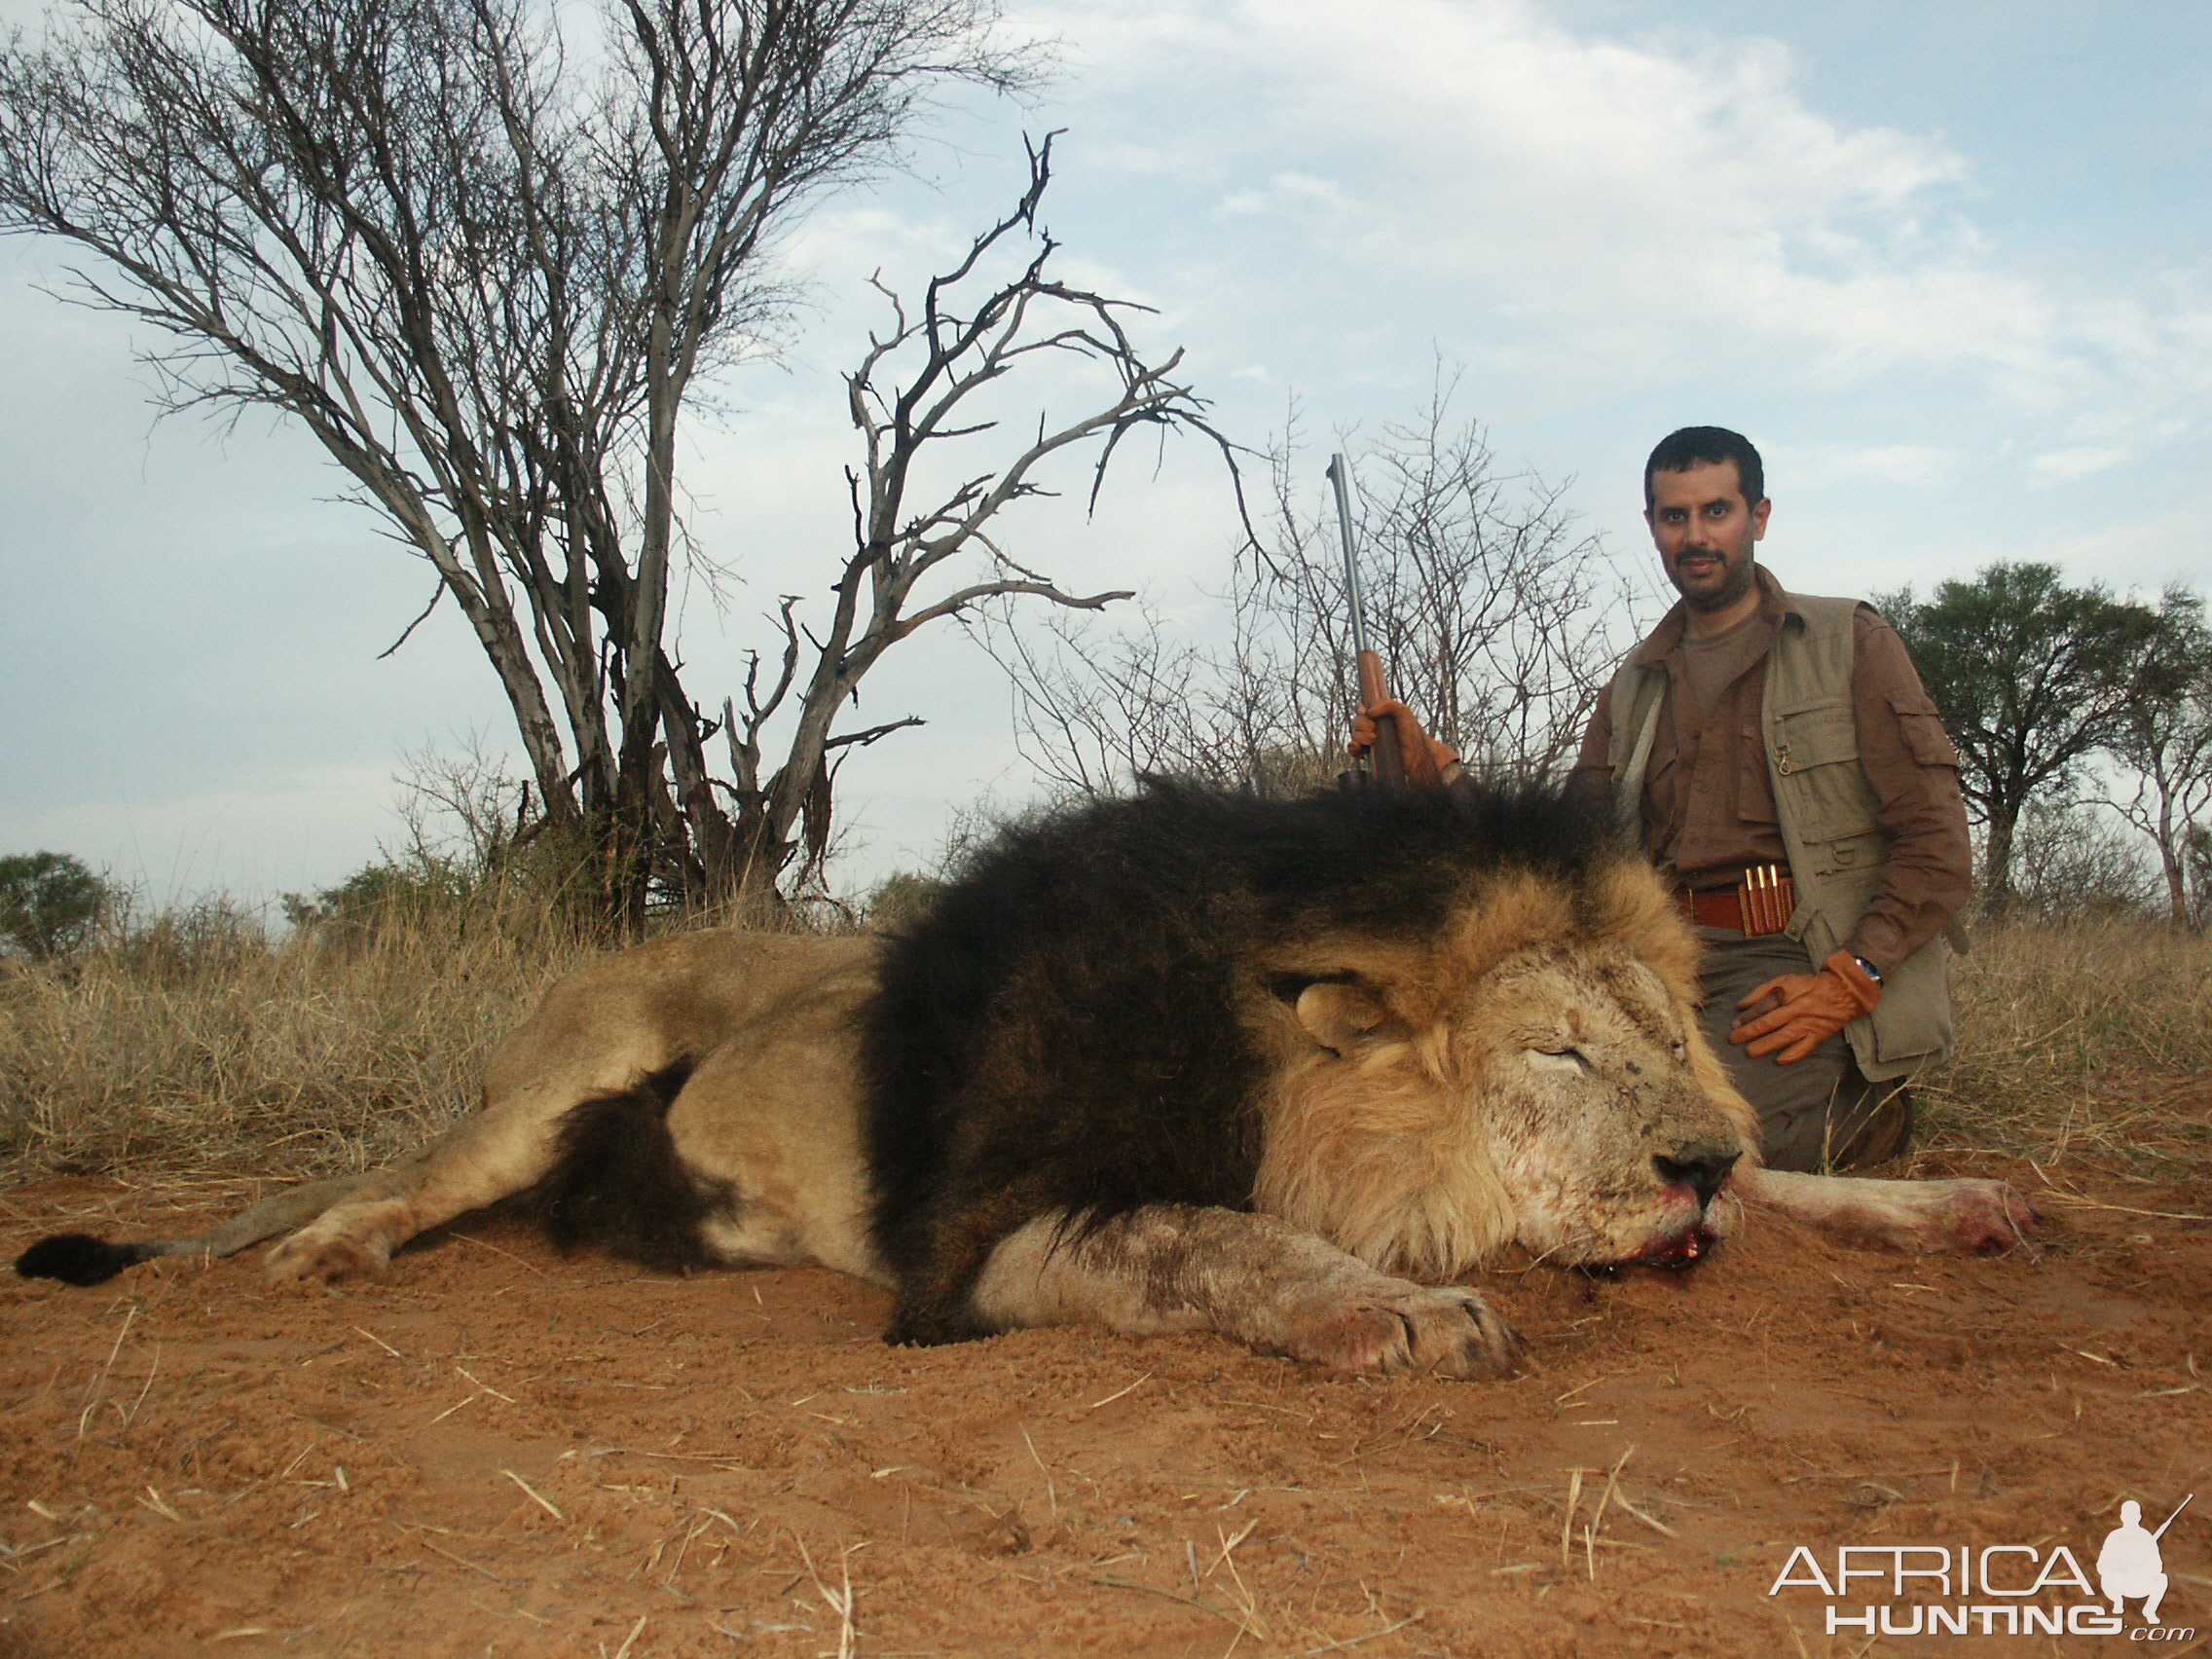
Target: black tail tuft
<point>618,1184</point>
<point>78,1258</point>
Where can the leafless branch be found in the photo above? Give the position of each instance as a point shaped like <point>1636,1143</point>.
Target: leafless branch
<point>925,391</point>
<point>437,593</point>
<point>1498,620</point>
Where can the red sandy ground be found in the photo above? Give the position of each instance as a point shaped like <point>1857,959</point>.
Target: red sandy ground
<point>490,1451</point>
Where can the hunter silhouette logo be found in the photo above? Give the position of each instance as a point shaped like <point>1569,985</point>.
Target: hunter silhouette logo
<point>1994,1588</point>
<point>2130,1564</point>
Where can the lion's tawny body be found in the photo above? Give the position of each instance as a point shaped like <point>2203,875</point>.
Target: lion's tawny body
<point>1290,1072</point>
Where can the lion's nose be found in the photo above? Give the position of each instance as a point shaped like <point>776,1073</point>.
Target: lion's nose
<point>1700,1171</point>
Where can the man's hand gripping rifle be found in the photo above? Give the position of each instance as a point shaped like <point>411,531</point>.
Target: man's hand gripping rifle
<point>1388,746</point>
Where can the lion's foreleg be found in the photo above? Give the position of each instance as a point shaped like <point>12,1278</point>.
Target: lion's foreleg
<point>1253,1277</point>
<point>1948,1218</point>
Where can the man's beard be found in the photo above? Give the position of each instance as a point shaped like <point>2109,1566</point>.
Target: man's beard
<point>1735,583</point>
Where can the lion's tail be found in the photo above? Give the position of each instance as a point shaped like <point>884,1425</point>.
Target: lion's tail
<point>78,1258</point>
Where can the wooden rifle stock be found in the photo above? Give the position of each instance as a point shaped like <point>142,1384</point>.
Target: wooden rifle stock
<point>1389,754</point>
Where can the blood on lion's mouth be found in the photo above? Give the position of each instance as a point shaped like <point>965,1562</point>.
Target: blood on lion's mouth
<point>1674,1253</point>
<point>1684,1250</point>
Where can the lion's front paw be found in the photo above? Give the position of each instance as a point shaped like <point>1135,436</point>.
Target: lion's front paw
<point>1402,1327</point>
<point>1973,1218</point>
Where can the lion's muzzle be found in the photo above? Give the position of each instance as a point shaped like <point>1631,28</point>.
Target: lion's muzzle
<point>1692,1176</point>
<point>1690,1179</point>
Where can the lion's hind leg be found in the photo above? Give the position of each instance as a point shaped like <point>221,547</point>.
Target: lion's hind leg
<point>349,1241</point>
<point>516,1142</point>
<point>79,1258</point>
<point>1253,1277</point>
<point>1935,1218</point>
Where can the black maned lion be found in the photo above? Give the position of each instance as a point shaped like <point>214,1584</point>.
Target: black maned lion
<point>1287,1071</point>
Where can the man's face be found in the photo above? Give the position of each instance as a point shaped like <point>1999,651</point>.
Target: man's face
<point>1704,529</point>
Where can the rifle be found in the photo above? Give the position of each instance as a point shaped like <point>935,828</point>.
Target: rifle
<point>2171,1519</point>
<point>1388,761</point>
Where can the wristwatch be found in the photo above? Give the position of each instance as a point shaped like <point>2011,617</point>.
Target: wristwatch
<point>1868,969</point>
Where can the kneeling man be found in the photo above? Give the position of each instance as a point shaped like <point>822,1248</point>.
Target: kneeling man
<point>1778,757</point>
<point>1781,763</point>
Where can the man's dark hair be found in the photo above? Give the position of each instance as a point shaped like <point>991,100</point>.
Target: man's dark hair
<point>1678,452</point>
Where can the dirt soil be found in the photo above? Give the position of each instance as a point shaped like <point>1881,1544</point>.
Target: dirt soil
<point>492,1451</point>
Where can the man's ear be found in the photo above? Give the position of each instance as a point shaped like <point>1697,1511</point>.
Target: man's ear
<point>1342,1017</point>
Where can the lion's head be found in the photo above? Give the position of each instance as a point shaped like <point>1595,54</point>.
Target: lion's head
<point>1532,1073</point>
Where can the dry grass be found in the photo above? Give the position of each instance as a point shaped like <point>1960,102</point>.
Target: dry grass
<point>198,1044</point>
<point>2083,1041</point>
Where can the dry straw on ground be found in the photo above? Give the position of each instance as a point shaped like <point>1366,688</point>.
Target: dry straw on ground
<point>2084,1043</point>
<point>201,1045</point>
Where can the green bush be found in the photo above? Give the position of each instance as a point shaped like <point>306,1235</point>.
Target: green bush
<point>49,903</point>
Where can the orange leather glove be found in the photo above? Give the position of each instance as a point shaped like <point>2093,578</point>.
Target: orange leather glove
<point>1425,756</point>
<point>1806,1010</point>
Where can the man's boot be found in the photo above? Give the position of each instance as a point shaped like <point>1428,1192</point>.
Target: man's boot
<point>1886,1132</point>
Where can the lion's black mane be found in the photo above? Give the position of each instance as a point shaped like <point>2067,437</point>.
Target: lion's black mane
<point>1060,1033</point>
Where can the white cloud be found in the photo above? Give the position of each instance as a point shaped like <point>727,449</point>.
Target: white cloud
<point>1290,193</point>
<point>1615,212</point>
<point>1816,466</point>
<point>2067,465</point>
<point>2139,551</point>
<point>279,828</point>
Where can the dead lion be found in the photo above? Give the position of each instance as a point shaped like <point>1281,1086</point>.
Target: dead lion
<point>1187,1062</point>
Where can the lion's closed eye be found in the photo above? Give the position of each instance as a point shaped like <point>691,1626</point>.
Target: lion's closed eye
<point>1567,1060</point>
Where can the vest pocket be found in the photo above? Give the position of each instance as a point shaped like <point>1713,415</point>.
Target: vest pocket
<point>1814,734</point>
<point>1819,786</point>
<point>1913,1022</point>
<point>1847,856</point>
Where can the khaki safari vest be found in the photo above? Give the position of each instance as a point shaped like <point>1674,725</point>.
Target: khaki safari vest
<point>1828,815</point>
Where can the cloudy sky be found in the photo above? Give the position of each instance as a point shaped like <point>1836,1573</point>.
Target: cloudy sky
<point>1946,264</point>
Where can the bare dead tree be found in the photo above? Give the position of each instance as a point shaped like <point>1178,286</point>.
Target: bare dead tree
<point>487,276</point>
<point>1094,710</point>
<point>2164,743</point>
<point>1500,623</point>
<point>924,554</point>
<point>2076,862</point>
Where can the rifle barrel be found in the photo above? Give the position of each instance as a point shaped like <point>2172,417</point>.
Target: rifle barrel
<point>1337,474</point>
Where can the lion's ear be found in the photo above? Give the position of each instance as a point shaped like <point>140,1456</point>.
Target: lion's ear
<point>1341,1017</point>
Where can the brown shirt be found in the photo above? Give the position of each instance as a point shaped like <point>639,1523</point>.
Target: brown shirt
<point>1708,808</point>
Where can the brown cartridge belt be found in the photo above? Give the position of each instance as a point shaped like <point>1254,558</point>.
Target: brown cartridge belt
<point>1760,904</point>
